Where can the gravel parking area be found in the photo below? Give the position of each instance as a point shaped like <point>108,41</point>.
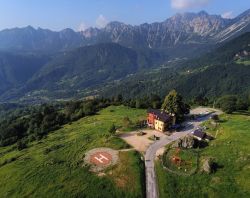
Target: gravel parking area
<point>140,143</point>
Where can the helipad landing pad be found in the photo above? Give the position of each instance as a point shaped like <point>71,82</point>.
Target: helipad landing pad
<point>101,158</point>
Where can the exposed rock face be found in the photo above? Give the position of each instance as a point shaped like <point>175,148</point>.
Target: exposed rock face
<point>179,29</point>
<point>186,142</point>
<point>234,29</point>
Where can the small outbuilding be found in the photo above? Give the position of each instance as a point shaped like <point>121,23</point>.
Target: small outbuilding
<point>200,135</point>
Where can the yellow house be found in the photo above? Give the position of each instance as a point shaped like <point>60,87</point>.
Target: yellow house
<point>160,125</point>
<point>159,120</point>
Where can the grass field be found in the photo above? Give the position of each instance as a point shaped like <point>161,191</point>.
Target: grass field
<point>53,167</point>
<point>231,151</point>
<point>244,62</point>
<point>188,163</point>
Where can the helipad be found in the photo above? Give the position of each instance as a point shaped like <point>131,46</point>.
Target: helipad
<point>101,158</point>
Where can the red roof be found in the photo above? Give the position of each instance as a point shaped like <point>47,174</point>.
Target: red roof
<point>160,115</point>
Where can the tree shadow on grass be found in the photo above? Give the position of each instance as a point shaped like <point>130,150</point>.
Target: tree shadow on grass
<point>215,166</point>
<point>222,121</point>
<point>202,144</point>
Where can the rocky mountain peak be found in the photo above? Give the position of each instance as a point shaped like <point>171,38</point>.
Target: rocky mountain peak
<point>90,32</point>
<point>200,23</point>
<point>114,24</point>
<point>203,13</point>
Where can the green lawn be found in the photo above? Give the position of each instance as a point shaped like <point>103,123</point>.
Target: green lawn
<point>231,151</point>
<point>188,163</point>
<point>52,167</point>
<point>244,62</point>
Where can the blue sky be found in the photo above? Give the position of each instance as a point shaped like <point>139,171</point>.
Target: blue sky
<point>80,14</point>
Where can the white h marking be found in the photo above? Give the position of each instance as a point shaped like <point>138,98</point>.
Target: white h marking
<point>101,158</point>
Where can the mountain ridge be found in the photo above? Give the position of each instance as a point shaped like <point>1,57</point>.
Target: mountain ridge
<point>186,28</point>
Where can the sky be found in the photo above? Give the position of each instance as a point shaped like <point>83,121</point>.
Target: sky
<point>81,14</point>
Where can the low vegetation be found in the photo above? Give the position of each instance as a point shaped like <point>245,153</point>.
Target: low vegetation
<point>231,103</point>
<point>243,62</point>
<point>181,161</point>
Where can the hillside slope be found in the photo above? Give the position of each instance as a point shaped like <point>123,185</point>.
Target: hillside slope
<point>53,167</point>
<point>29,39</point>
<point>230,150</point>
<point>74,71</point>
<point>16,70</point>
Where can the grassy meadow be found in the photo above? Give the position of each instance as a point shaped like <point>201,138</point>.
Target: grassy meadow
<point>243,62</point>
<point>231,151</point>
<point>188,164</point>
<point>53,166</point>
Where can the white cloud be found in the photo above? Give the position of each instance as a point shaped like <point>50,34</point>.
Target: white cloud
<point>227,15</point>
<point>101,21</point>
<point>185,4</point>
<point>83,26</point>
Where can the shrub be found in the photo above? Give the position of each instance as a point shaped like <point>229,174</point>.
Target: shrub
<point>112,129</point>
<point>227,104</point>
<point>127,122</point>
<point>21,144</point>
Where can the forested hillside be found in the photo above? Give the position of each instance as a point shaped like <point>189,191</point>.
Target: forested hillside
<point>69,73</point>
<point>16,70</point>
<point>214,74</point>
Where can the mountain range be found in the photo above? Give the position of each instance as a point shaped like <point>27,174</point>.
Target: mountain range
<point>37,65</point>
<point>181,29</point>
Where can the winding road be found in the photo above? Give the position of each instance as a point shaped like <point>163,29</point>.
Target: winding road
<point>151,181</point>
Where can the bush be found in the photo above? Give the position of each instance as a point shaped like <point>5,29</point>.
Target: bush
<point>127,122</point>
<point>227,104</point>
<point>112,129</point>
<point>241,105</point>
<point>21,144</point>
<point>215,118</point>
